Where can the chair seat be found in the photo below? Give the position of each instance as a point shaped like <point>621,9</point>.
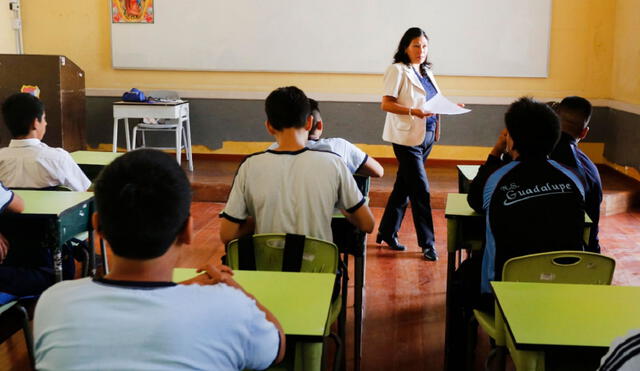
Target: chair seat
<point>157,126</point>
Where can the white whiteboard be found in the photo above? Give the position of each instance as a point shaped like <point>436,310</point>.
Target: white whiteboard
<point>468,37</point>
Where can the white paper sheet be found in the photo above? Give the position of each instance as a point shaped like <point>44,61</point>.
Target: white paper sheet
<point>441,105</point>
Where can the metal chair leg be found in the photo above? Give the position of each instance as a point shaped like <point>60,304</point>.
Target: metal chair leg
<point>28,336</point>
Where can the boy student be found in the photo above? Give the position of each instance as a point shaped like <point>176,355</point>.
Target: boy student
<point>138,318</point>
<point>356,160</point>
<point>291,189</point>
<point>532,204</point>
<point>574,113</point>
<point>27,162</point>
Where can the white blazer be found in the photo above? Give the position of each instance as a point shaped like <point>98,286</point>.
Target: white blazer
<point>402,83</point>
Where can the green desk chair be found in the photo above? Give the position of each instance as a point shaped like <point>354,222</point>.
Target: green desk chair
<point>292,253</point>
<point>550,267</point>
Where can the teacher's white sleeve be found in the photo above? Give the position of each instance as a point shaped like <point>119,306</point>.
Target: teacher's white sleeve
<point>392,81</point>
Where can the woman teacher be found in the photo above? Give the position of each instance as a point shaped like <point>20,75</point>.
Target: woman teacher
<point>408,84</point>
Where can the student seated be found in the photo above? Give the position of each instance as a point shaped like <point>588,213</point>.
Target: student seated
<point>19,274</point>
<point>29,163</point>
<point>291,189</point>
<point>135,318</point>
<point>356,160</point>
<point>575,113</point>
<point>532,204</point>
<point>624,354</point>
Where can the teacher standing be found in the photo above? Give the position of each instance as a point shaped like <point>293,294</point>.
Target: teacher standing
<point>408,84</point>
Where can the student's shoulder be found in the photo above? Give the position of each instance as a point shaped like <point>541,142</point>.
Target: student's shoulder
<point>253,157</point>
<point>323,152</point>
<point>64,289</point>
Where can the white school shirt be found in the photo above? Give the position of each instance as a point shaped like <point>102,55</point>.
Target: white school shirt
<point>120,325</point>
<point>29,163</point>
<point>292,192</point>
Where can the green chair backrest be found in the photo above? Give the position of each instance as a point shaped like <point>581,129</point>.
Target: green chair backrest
<point>318,256</point>
<point>560,267</point>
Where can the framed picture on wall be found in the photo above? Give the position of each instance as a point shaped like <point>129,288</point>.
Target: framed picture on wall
<point>132,11</point>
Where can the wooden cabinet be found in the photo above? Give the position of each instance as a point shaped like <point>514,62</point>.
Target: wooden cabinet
<point>62,90</point>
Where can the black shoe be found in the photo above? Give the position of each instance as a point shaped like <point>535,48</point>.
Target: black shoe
<point>430,253</point>
<point>392,242</point>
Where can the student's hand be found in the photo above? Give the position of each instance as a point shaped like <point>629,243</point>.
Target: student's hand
<point>4,248</point>
<point>501,144</point>
<point>211,275</point>
<point>420,113</point>
<point>461,105</point>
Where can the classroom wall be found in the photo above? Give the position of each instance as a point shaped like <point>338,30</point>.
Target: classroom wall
<point>626,56</point>
<point>593,53</point>
<point>581,30</point>
<point>7,34</point>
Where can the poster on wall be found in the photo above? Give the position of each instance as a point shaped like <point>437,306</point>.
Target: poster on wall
<point>132,11</point>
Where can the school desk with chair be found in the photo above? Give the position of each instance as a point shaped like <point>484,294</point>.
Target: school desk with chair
<point>552,318</point>
<point>64,214</point>
<point>177,110</point>
<point>465,231</point>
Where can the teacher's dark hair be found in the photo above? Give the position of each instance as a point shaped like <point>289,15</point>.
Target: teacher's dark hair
<point>402,57</point>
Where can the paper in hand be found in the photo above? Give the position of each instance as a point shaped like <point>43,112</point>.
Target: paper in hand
<point>440,104</point>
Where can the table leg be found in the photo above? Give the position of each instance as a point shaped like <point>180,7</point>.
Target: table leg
<point>57,261</point>
<point>342,319</point>
<point>126,134</point>
<point>452,230</point>
<point>179,144</point>
<point>92,255</point>
<point>358,305</point>
<point>115,135</point>
<point>105,260</point>
<point>190,148</point>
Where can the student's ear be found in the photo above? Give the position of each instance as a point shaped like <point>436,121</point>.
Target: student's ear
<point>319,125</point>
<point>269,128</point>
<point>95,222</point>
<point>309,123</point>
<point>583,133</point>
<point>186,234</point>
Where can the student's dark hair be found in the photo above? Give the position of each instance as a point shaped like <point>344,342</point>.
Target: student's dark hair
<point>315,113</point>
<point>19,111</point>
<point>533,126</point>
<point>143,200</point>
<point>287,107</point>
<point>402,57</point>
<point>574,113</point>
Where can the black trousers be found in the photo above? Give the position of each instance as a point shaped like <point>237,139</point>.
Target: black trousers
<point>411,185</point>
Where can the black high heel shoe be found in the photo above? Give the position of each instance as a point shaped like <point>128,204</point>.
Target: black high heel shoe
<point>392,242</point>
<point>429,253</point>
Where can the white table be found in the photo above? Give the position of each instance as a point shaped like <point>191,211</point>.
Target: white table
<point>158,110</point>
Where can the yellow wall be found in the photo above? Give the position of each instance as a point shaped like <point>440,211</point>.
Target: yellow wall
<point>581,51</point>
<point>626,56</point>
<point>7,34</point>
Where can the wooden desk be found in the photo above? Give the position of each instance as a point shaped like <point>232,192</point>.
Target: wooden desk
<point>66,215</point>
<point>299,300</point>
<point>158,110</point>
<point>466,173</point>
<point>540,316</point>
<point>92,162</point>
